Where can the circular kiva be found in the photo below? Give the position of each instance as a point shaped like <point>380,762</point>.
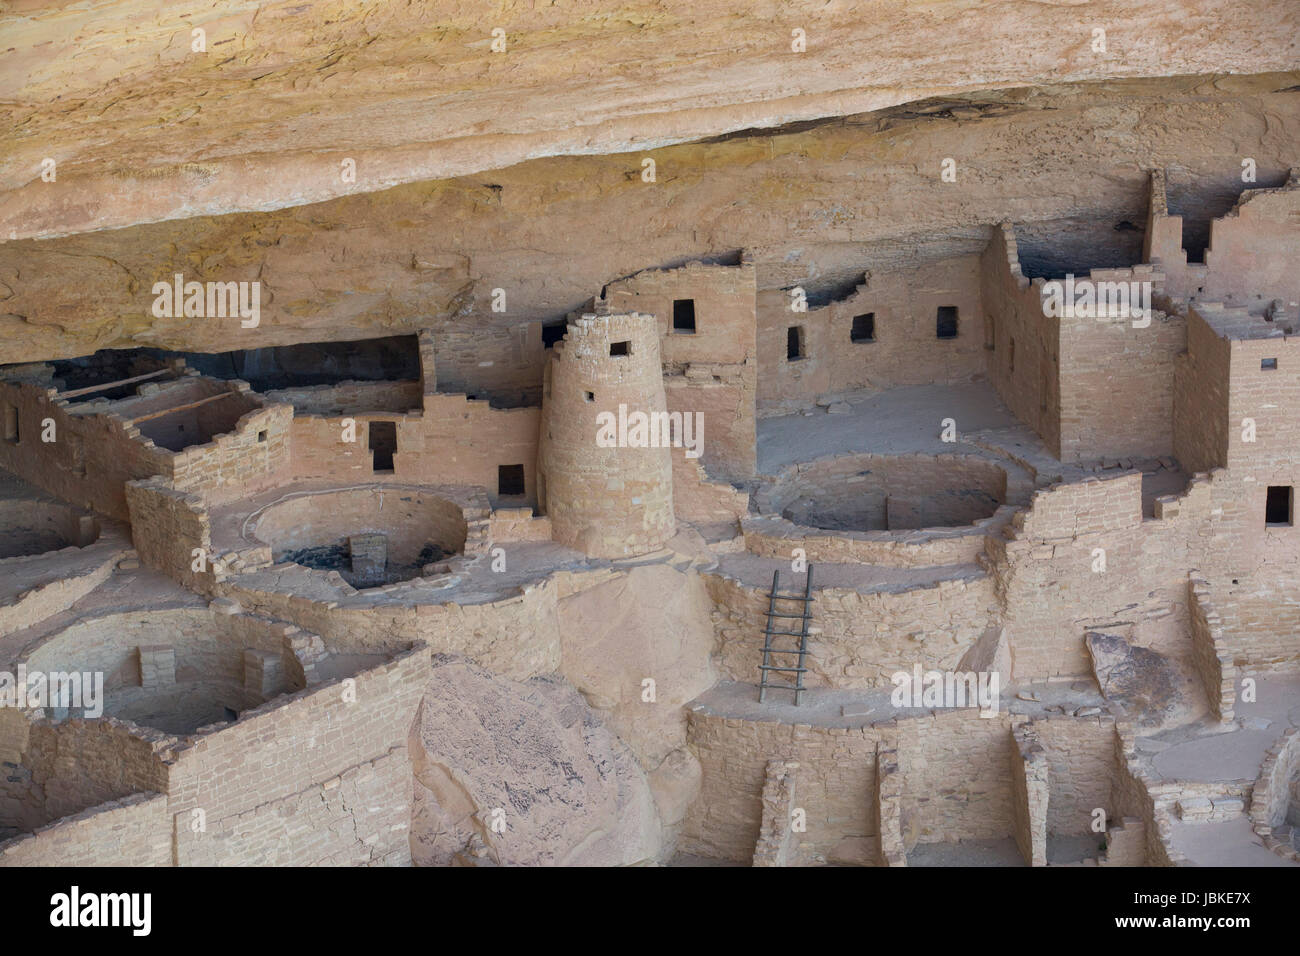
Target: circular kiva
<point>371,536</point>
<point>35,527</point>
<point>886,492</point>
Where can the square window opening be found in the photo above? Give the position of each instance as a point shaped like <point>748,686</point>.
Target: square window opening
<point>794,343</point>
<point>684,316</point>
<point>510,480</point>
<point>261,436</point>
<point>864,328</point>
<point>619,349</point>
<point>945,322</point>
<point>1277,505</point>
<point>1268,365</point>
<point>589,396</point>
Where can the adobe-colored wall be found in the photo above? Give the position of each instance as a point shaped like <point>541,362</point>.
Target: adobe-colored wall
<point>906,350</point>
<point>608,502</point>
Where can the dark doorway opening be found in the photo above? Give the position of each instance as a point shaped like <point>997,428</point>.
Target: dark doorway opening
<point>510,480</point>
<point>383,443</point>
<point>684,316</point>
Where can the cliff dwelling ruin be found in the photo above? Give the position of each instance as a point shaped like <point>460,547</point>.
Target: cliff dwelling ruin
<point>416,442</point>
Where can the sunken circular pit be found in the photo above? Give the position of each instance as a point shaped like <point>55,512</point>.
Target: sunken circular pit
<point>370,535</point>
<point>858,493</point>
<point>29,527</point>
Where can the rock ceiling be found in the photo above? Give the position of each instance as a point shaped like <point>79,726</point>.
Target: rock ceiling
<point>521,170</point>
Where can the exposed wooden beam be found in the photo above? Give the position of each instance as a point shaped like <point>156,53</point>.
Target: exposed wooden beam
<point>126,381</point>
<point>181,408</point>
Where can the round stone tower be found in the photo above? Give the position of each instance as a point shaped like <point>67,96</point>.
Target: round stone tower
<point>605,475</point>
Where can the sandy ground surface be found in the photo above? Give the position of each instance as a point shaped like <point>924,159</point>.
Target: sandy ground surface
<point>1211,754</point>
<point>1230,843</point>
<point>825,707</point>
<point>895,421</point>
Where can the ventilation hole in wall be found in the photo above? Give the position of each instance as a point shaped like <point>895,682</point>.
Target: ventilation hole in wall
<point>1277,505</point>
<point>589,396</point>
<point>684,316</point>
<point>1268,364</point>
<point>618,349</point>
<point>261,436</point>
<point>945,322</point>
<point>510,480</point>
<point>553,333</point>
<point>864,328</point>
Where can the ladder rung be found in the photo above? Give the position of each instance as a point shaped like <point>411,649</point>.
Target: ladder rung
<point>784,687</point>
<point>792,597</point>
<point>782,650</point>
<point>789,670</point>
<point>797,617</point>
<point>786,633</point>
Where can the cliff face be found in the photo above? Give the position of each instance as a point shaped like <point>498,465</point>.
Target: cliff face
<point>144,128</point>
<point>815,205</point>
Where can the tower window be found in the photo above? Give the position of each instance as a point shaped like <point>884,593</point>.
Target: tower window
<point>684,316</point>
<point>620,348</point>
<point>864,328</point>
<point>510,480</point>
<point>1277,506</point>
<point>945,322</point>
<point>1268,365</point>
<point>794,349</point>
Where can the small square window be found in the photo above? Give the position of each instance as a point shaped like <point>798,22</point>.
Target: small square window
<point>864,328</point>
<point>261,436</point>
<point>1277,505</point>
<point>794,346</point>
<point>617,349</point>
<point>1268,365</point>
<point>589,396</point>
<point>684,316</point>
<point>553,333</point>
<point>510,480</point>
<point>945,322</point>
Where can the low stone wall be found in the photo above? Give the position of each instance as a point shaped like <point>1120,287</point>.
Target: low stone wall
<point>775,537</point>
<point>1030,794</point>
<point>955,781</point>
<point>133,831</point>
<point>516,637</point>
<point>864,637</point>
<point>1210,656</point>
<point>1272,795</point>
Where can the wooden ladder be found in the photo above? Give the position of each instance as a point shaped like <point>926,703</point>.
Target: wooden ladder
<point>767,668</point>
